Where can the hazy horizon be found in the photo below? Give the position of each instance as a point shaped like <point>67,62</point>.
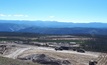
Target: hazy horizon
<point>50,21</point>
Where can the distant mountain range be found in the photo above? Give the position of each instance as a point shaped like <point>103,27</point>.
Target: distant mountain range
<point>55,24</point>
<point>52,27</point>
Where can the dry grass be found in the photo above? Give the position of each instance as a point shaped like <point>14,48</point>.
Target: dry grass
<point>8,61</point>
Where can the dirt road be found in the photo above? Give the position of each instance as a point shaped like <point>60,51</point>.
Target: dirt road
<point>16,53</point>
<point>94,54</point>
<point>21,50</point>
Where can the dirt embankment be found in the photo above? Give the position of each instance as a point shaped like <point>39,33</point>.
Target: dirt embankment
<point>75,58</point>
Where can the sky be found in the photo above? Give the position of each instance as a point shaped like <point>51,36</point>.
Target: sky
<point>77,11</point>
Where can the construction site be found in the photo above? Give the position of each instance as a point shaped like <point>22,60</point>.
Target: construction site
<point>31,53</point>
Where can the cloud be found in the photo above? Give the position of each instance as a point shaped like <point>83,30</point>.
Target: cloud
<point>26,15</point>
<point>51,16</point>
<point>14,15</point>
<point>2,15</point>
<point>20,15</point>
<point>9,15</point>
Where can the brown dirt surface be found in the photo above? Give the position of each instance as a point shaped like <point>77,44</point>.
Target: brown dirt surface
<point>75,59</point>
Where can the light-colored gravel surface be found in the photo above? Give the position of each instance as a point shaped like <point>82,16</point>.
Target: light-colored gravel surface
<point>74,57</point>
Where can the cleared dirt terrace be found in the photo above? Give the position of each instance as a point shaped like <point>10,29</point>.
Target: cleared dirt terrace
<point>74,57</point>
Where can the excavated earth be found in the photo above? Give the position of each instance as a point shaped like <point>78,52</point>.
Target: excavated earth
<point>48,56</point>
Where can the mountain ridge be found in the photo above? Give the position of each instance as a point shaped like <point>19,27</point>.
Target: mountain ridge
<point>49,27</point>
<point>55,24</point>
